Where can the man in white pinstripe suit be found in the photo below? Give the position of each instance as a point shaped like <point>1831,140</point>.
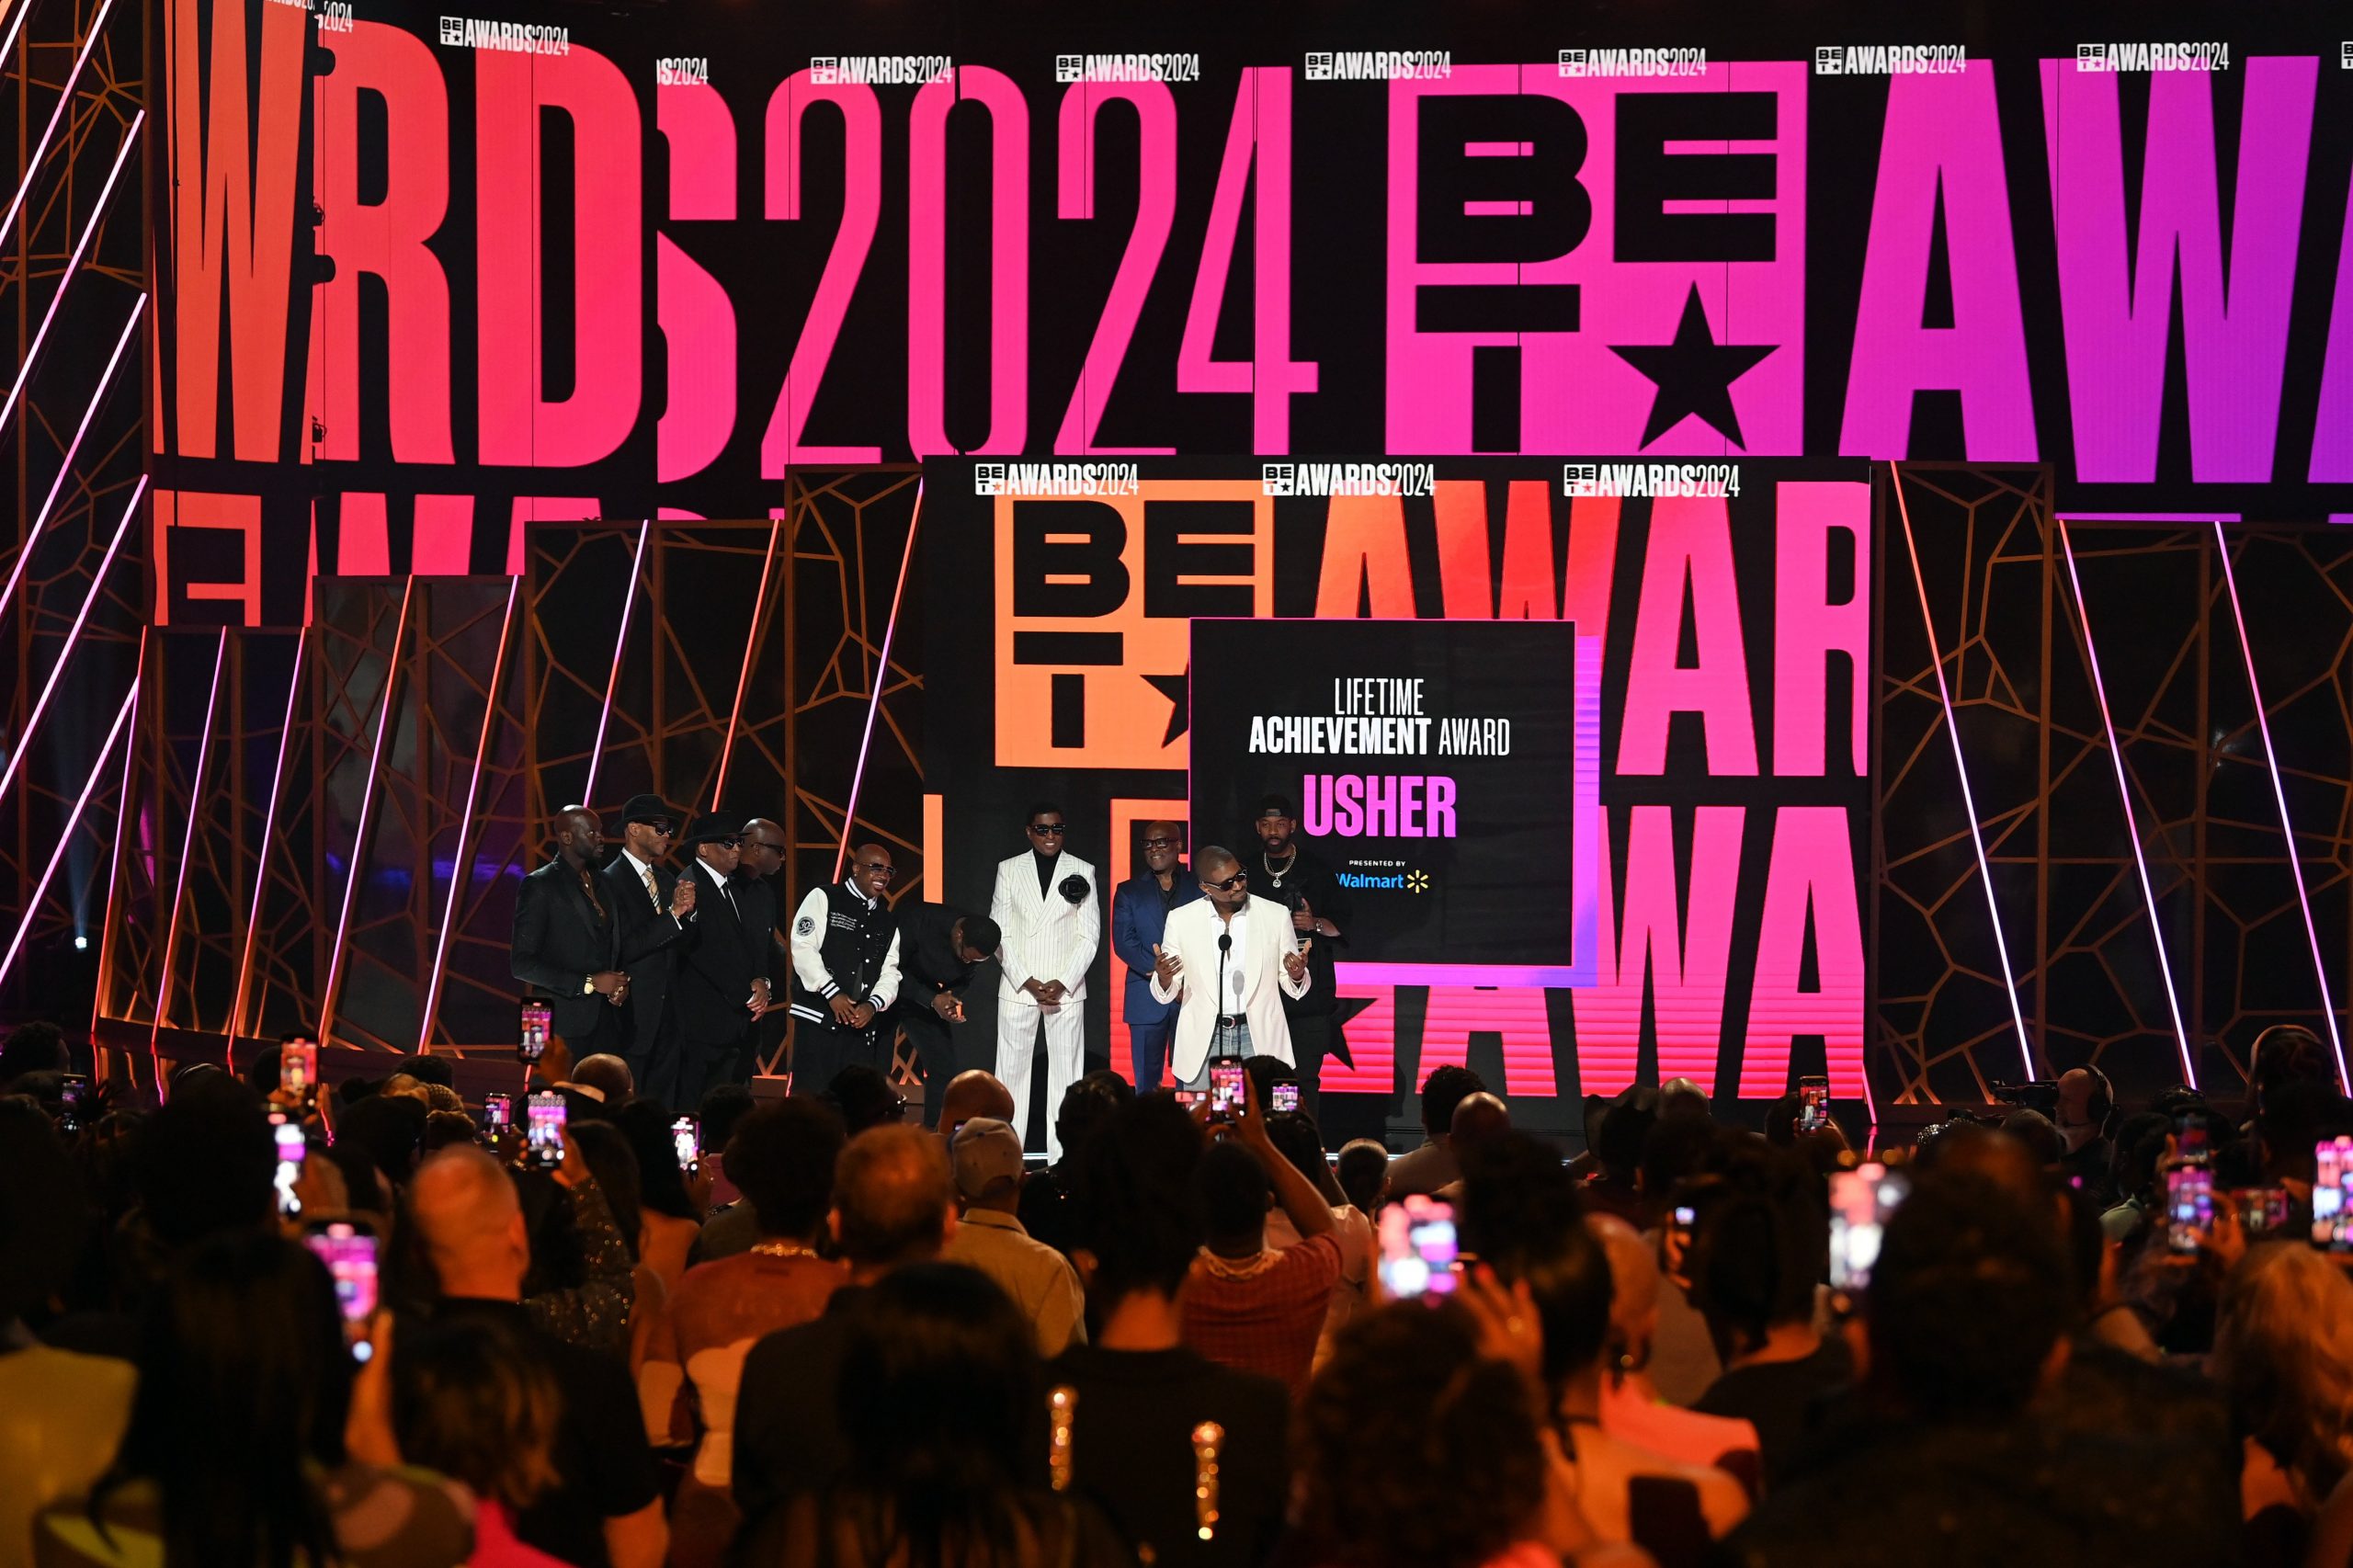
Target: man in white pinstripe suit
<point>1049,908</point>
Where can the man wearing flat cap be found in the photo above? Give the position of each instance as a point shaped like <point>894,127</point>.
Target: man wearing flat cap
<point>651,904</point>
<point>721,984</point>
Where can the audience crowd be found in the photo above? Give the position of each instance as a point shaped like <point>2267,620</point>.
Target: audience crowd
<point>827,1335</point>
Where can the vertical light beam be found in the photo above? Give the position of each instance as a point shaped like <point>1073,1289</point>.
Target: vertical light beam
<point>328,997</point>
<point>462,864</point>
<point>72,266</point>
<point>114,873</point>
<point>65,835</point>
<point>187,853</point>
<point>744,675</point>
<point>268,829</point>
<point>2280,794</point>
<point>2124,797</point>
<point>1960,767</point>
<point>57,670</point>
<point>65,467</point>
<point>613,680</point>
<point>881,679</point>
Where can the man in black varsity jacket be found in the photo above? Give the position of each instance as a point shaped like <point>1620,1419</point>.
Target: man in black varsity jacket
<point>844,973</point>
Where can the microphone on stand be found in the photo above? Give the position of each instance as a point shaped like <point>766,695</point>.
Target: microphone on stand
<point>1217,1030</point>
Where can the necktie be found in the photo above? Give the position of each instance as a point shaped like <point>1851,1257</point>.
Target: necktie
<point>651,890</point>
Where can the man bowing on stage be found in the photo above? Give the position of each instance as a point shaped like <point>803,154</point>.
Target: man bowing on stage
<point>844,973</point>
<point>1231,959</point>
<point>1047,906</point>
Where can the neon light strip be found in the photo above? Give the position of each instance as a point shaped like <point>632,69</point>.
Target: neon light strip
<point>462,867</point>
<point>73,265</point>
<point>187,853</point>
<point>881,677</point>
<point>1960,766</point>
<point>57,670</point>
<point>743,676</point>
<point>612,681</point>
<point>57,115</point>
<point>2279,793</point>
<point>327,997</point>
<point>268,828</point>
<point>2124,796</point>
<point>114,874</point>
<point>57,486</point>
<point>24,9</point>
<point>65,838</point>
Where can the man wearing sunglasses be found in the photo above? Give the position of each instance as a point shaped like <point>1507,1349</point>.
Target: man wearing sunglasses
<point>1231,959</point>
<point>720,987</point>
<point>653,905</point>
<point>1139,911</point>
<point>1048,908</point>
<point>844,973</point>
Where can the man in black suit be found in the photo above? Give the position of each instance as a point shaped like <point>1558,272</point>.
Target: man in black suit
<point>721,984</point>
<point>566,942</point>
<point>764,848</point>
<point>939,947</point>
<point>652,906</point>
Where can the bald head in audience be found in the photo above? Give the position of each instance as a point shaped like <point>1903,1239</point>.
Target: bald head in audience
<point>894,1200</point>
<point>974,1093</point>
<point>607,1075</point>
<point>1633,1283</point>
<point>1479,1119</point>
<point>467,1213</point>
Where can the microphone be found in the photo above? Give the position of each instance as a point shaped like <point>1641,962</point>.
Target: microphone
<point>1225,942</point>
<point>1217,1031</point>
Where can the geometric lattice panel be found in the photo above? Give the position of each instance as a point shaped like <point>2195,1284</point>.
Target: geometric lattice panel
<point>2126,959</point>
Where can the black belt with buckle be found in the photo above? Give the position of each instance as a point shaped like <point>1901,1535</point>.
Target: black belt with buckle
<point>1231,1021</point>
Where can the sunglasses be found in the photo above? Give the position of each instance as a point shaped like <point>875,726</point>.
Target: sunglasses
<point>665,828</point>
<point>875,868</point>
<point>1049,829</point>
<point>1230,883</point>
<point>1160,843</point>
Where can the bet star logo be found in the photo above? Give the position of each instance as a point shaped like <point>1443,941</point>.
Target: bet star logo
<point>1694,373</point>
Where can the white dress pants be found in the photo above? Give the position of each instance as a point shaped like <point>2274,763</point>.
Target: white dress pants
<point>1017,1046</point>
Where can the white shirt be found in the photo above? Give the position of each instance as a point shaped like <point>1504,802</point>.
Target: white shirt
<point>643,873</point>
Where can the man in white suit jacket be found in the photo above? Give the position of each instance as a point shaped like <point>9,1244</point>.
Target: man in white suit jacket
<point>1050,939</point>
<point>1265,954</point>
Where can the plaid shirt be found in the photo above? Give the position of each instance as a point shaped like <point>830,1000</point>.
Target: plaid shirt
<point>1263,1315</point>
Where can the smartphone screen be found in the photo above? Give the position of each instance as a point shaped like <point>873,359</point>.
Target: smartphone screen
<point>292,1147</point>
<point>2189,1207</point>
<point>349,1254</point>
<point>2262,1210</point>
<point>686,1142</point>
<point>543,1143</point>
<point>1813,1104</point>
<point>2190,1144</point>
<point>1417,1247</point>
<point>1284,1096</point>
<point>72,1095</point>
<point>1862,1200</point>
<point>1188,1098</point>
<point>2331,1226</point>
<point>298,1067</point>
<point>1225,1088</point>
<point>537,1018</point>
<point>497,1112</point>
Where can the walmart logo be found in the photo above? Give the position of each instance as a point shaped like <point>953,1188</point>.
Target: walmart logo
<point>1417,881</point>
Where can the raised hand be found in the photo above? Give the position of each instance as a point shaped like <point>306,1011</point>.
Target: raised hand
<point>1166,965</point>
<point>1304,917</point>
<point>1295,964</point>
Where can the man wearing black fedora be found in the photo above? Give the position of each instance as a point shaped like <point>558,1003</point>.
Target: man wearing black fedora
<point>721,984</point>
<point>652,906</point>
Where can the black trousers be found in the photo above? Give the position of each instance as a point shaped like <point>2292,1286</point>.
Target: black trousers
<point>933,1039</point>
<point>821,1050</point>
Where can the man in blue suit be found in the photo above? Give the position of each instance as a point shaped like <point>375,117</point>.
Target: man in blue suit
<point>1138,912</point>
